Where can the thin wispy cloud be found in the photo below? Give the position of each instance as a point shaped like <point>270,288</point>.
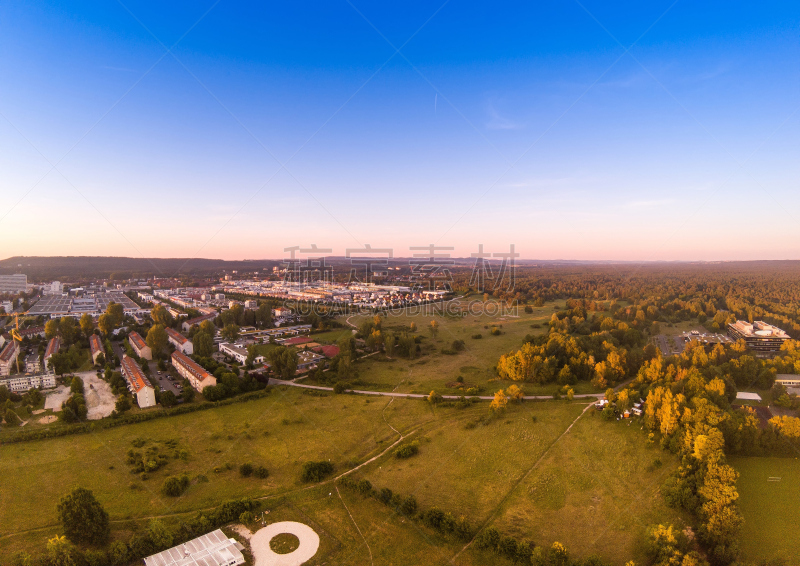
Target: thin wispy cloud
<point>498,122</point>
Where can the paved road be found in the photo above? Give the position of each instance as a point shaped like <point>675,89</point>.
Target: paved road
<point>273,381</point>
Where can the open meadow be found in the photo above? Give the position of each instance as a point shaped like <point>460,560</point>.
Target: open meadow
<point>469,464</point>
<point>769,499</point>
<point>434,370</point>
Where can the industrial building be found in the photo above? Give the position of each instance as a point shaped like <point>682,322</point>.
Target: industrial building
<point>211,549</point>
<point>63,305</point>
<point>759,336</point>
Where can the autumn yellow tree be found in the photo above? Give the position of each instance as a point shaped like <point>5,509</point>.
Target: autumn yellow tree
<point>500,401</point>
<point>514,393</point>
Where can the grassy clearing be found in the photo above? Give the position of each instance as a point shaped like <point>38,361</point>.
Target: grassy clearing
<point>280,432</point>
<point>770,508</point>
<point>601,477</point>
<point>437,371</point>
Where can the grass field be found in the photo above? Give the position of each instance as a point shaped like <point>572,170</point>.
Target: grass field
<point>468,464</point>
<point>771,509</point>
<point>437,371</point>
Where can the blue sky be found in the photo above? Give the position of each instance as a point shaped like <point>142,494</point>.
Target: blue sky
<point>645,131</point>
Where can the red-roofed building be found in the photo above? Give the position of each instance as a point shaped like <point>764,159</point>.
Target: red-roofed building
<point>52,348</point>
<point>138,384</point>
<point>188,369</point>
<point>180,341</point>
<point>96,347</point>
<point>187,325</point>
<point>327,351</point>
<point>140,346</point>
<point>8,357</point>
<point>296,341</point>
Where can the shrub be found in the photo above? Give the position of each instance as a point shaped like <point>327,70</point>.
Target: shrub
<point>175,485</point>
<point>477,336</point>
<point>364,487</point>
<point>407,450</point>
<point>316,471</point>
<point>488,539</point>
<point>385,495</point>
<point>246,470</point>
<point>260,472</point>
<point>339,388</point>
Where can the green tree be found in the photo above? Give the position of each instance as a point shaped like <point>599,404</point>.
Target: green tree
<point>106,324</point>
<point>157,339</point>
<point>160,315</point>
<point>51,329</point>
<point>203,344</point>
<point>83,518</point>
<point>159,534</point>
<point>123,404</point>
<point>87,325</point>
<point>116,312</point>
<point>230,332</point>
<point>11,417</point>
<point>167,399</point>
<point>68,329</point>
<point>208,327</point>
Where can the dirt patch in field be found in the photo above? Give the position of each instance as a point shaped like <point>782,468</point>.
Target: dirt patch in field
<point>48,419</point>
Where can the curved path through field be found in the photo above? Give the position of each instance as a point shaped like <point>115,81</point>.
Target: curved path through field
<point>273,381</point>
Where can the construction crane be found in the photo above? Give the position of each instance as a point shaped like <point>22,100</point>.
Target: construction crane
<point>16,336</point>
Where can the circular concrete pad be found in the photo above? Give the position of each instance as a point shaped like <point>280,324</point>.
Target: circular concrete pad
<point>265,556</point>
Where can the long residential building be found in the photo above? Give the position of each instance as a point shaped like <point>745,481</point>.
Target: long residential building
<point>23,383</point>
<point>189,369</point>
<point>53,347</point>
<point>187,324</point>
<point>140,346</point>
<point>759,336</point>
<point>180,341</point>
<point>8,356</point>
<point>96,347</point>
<point>138,384</point>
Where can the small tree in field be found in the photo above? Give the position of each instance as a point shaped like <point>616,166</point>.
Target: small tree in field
<point>500,401</point>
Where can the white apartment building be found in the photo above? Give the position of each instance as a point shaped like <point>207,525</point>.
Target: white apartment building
<point>188,369</point>
<point>138,384</point>
<point>180,341</point>
<point>16,283</point>
<point>238,352</point>
<point>23,383</point>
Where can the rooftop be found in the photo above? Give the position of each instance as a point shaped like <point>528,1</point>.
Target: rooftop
<point>134,374</point>
<point>8,352</point>
<point>95,344</point>
<point>758,329</point>
<point>137,340</point>
<point>188,363</point>
<point>211,549</point>
<point>177,336</point>
<point>53,347</point>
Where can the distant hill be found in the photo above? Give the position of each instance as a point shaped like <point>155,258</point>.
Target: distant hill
<point>80,267</point>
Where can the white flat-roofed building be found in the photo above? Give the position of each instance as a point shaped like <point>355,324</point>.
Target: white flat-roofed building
<point>190,370</point>
<point>180,341</point>
<point>238,352</point>
<point>788,379</point>
<point>759,336</point>
<point>33,364</point>
<point>211,549</point>
<point>23,383</point>
<point>17,283</point>
<point>138,384</point>
<point>140,346</point>
<point>54,288</point>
